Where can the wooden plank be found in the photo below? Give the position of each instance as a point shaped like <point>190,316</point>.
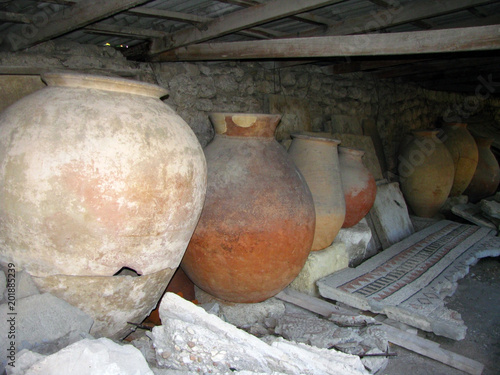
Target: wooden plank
<point>76,16</point>
<point>15,17</point>
<point>398,337</point>
<point>417,42</point>
<point>425,348</point>
<point>239,20</point>
<point>168,15</point>
<point>132,32</point>
<point>412,11</point>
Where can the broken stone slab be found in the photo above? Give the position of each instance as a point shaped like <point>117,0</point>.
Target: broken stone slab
<point>240,314</point>
<point>25,286</point>
<point>390,215</point>
<point>91,357</point>
<point>320,264</point>
<point>490,208</point>
<point>357,339</point>
<point>356,240</point>
<point>409,281</point>
<point>41,322</point>
<point>472,213</point>
<point>25,359</point>
<point>193,340</point>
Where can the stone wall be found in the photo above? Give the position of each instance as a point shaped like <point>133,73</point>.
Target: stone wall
<point>312,92</point>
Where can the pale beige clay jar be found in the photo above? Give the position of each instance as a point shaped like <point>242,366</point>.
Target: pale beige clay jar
<point>316,156</point>
<point>464,152</point>
<point>97,174</point>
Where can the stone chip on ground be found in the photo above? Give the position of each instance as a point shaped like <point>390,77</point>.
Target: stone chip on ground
<point>193,340</point>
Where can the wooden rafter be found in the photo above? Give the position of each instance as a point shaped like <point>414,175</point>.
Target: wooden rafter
<point>410,12</point>
<point>417,42</point>
<point>76,16</point>
<point>239,20</point>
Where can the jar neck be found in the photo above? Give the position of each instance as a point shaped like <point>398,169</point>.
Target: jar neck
<point>245,124</point>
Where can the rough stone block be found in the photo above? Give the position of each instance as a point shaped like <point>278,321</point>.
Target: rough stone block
<point>320,264</point>
<point>25,286</point>
<point>43,323</point>
<point>390,215</point>
<point>453,201</point>
<point>91,357</point>
<point>241,314</point>
<point>193,340</point>
<point>356,240</point>
<point>490,208</point>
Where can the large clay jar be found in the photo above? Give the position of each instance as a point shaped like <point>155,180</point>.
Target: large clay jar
<point>464,153</point>
<point>487,176</point>
<point>426,173</point>
<point>358,185</point>
<point>257,226</point>
<point>317,159</point>
<point>98,174</point>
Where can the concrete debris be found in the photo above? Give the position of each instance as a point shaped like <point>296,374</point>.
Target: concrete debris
<point>358,339</point>
<point>356,239</point>
<point>91,357</point>
<point>193,340</point>
<point>241,314</point>
<point>320,264</point>
<point>490,208</point>
<point>43,323</point>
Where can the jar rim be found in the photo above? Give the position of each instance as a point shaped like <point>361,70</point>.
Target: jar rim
<point>106,83</point>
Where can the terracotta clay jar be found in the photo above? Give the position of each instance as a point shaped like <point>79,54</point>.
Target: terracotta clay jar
<point>257,226</point>
<point>358,185</point>
<point>316,156</point>
<point>426,173</point>
<point>97,174</point>
<point>485,181</point>
<point>464,152</point>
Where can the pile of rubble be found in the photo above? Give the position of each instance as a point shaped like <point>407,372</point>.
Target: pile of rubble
<point>272,337</point>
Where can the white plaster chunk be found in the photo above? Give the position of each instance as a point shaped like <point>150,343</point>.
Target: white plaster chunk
<point>356,240</point>
<point>320,264</point>
<point>193,340</point>
<point>93,357</point>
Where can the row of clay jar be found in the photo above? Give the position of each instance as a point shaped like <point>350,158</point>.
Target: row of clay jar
<point>98,176</point>
<point>447,162</point>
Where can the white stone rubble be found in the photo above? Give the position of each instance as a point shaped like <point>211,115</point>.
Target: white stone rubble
<point>193,340</point>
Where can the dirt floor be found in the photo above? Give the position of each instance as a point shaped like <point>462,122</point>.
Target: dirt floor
<point>477,299</point>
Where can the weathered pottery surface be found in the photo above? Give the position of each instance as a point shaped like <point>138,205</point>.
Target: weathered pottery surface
<point>426,173</point>
<point>257,225</point>
<point>358,185</point>
<point>317,159</point>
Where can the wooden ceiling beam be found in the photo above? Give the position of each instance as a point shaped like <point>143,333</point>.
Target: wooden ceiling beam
<point>408,43</point>
<point>76,16</point>
<point>410,12</point>
<point>305,17</point>
<point>124,31</point>
<point>168,15</point>
<point>239,20</point>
